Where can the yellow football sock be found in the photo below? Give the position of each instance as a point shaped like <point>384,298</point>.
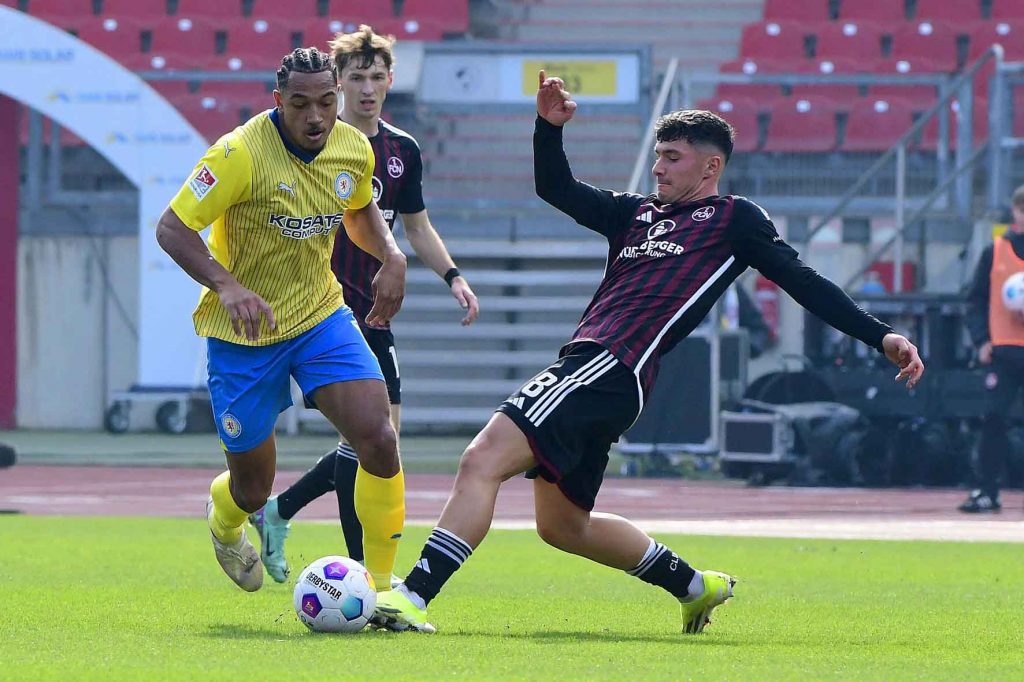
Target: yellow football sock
<point>226,517</point>
<point>380,506</point>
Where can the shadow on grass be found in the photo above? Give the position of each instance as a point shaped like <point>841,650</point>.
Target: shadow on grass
<point>608,636</point>
<point>236,631</point>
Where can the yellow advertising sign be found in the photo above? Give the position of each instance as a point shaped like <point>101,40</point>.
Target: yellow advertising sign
<point>597,78</point>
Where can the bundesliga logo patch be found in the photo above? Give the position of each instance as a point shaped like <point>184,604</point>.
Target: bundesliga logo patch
<point>202,182</point>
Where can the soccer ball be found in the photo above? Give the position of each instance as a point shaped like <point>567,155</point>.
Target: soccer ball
<point>335,594</point>
<point>1013,292</point>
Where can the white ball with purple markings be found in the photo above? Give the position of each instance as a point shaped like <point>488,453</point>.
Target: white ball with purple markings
<point>1013,292</point>
<point>335,594</point>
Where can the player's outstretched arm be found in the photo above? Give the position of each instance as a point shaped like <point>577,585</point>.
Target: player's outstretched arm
<point>189,251</point>
<point>367,230</point>
<point>427,244</point>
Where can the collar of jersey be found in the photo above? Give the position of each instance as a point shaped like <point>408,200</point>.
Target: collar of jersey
<point>297,152</point>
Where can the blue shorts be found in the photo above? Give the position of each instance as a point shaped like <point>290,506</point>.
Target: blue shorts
<point>249,385</point>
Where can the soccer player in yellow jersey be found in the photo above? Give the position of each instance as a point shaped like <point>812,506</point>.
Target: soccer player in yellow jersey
<point>275,190</point>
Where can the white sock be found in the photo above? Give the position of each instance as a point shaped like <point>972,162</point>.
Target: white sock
<point>696,586</point>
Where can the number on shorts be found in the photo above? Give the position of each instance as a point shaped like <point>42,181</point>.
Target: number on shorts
<point>539,383</point>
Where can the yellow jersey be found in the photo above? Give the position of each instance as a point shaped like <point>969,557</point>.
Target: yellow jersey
<point>274,211</point>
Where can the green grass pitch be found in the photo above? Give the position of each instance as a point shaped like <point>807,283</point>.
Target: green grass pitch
<point>110,598</point>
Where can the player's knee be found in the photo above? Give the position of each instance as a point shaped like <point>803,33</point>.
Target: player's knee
<point>479,462</point>
<point>377,449</point>
<point>558,533</point>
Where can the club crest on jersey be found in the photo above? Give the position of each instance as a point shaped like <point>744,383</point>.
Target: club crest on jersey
<point>660,228</point>
<point>202,182</point>
<point>378,188</point>
<point>232,427</point>
<point>702,214</point>
<point>343,185</point>
<point>395,167</point>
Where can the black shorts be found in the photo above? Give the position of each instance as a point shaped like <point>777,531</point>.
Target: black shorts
<point>571,414</point>
<point>382,343</point>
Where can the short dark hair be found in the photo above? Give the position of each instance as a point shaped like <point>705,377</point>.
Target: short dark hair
<point>696,127</point>
<point>304,60</point>
<point>362,47</point>
<point>1017,198</point>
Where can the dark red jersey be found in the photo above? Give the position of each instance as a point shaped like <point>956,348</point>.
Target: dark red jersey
<point>397,188</point>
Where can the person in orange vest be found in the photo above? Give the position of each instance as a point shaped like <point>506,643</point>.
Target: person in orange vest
<point>997,330</point>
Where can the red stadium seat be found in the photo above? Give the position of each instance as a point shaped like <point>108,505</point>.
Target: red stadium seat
<point>930,133</point>
<point>60,9</point>
<point>883,11</point>
<point>849,39</point>
<point>253,95</point>
<point>208,117</point>
<point>795,128</point>
<point>119,40</point>
<point>919,97</point>
<point>293,13</point>
<point>796,10</point>
<point>252,34</point>
<point>944,10</point>
<point>318,31</point>
<point>874,125</point>
<point>172,90</point>
<point>135,11</point>
<point>250,59</point>
<point>926,40</point>
<point>1009,34</point>
<point>451,16</point>
<point>773,40</point>
<point>360,11</point>
<point>758,92</point>
<point>850,65</point>
<point>182,40</point>
<point>1007,9</point>
<point>742,115</point>
<point>215,9</point>
<point>842,93</point>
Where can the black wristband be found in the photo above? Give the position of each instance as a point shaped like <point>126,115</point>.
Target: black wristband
<point>450,275</point>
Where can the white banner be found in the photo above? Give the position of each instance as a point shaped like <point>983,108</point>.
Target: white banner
<point>142,135</point>
<point>474,77</point>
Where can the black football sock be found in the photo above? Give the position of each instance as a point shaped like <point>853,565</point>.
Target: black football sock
<point>345,467</point>
<point>314,483</point>
<point>662,567</point>
<point>443,554</point>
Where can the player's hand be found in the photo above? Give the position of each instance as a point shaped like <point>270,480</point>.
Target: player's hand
<point>388,289</point>
<point>245,308</point>
<point>904,355</point>
<point>554,104</point>
<point>985,353</point>
<point>466,298</point>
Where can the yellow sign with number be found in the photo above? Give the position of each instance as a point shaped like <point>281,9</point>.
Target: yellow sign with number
<point>597,78</point>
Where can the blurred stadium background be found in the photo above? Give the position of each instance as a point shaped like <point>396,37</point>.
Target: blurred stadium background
<point>880,135</point>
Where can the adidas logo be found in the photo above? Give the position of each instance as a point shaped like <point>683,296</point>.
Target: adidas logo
<point>646,217</point>
<point>424,565</point>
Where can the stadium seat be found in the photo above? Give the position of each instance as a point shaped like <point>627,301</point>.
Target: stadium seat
<point>294,12</point>
<point>360,11</point>
<point>758,92</point>
<point>252,34</point>
<point>850,65</point>
<point>926,40</point>
<point>1007,9</point>
<point>919,97</point>
<point>795,128</point>
<point>181,39</point>
<point>875,125</point>
<point>944,10</point>
<point>135,11</point>
<point>252,95</point>
<point>882,11</point>
<point>209,117</point>
<point>796,10</point>
<point>773,40</point>
<point>118,40</point>
<point>451,16</point>
<point>1009,34</point>
<point>205,8</point>
<point>60,9</point>
<point>848,39</point>
<point>741,113</point>
<point>842,93</point>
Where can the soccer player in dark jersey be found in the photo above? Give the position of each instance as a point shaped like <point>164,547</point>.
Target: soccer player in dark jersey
<point>671,255</point>
<point>364,61</point>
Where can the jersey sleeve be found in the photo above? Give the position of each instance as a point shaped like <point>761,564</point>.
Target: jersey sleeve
<point>364,190</point>
<point>410,197</point>
<point>757,244</point>
<point>221,179</point>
